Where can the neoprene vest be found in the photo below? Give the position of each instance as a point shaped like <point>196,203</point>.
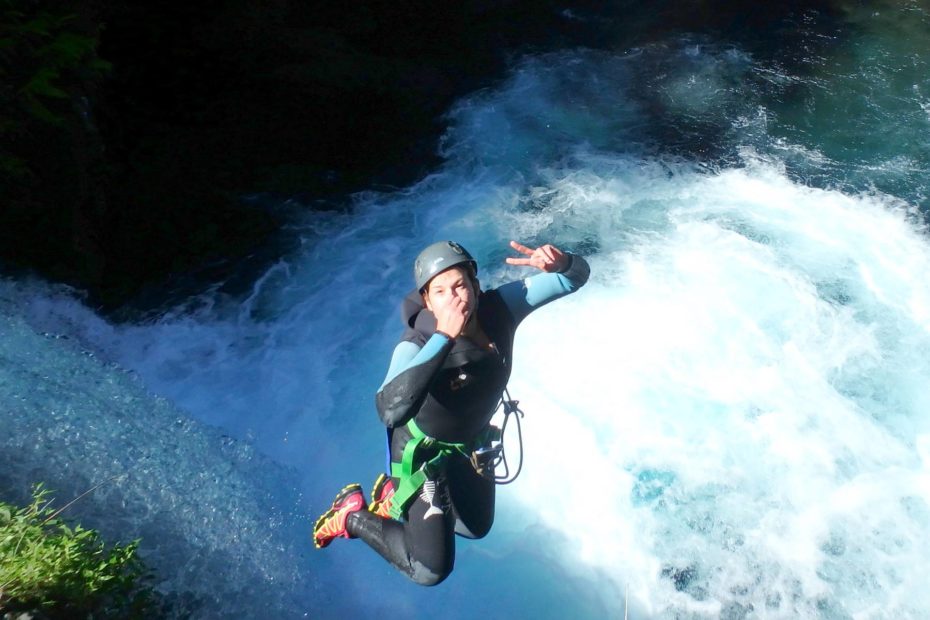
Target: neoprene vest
<point>466,391</point>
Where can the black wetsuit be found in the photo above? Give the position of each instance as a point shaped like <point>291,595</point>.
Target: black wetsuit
<point>451,389</point>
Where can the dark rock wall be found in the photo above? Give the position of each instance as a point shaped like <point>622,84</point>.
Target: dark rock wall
<point>174,110</point>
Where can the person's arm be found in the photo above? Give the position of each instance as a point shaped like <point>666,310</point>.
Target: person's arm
<point>412,369</point>
<point>408,378</point>
<point>523,296</point>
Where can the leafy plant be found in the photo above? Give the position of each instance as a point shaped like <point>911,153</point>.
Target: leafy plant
<point>39,51</point>
<point>66,571</point>
<point>45,59</point>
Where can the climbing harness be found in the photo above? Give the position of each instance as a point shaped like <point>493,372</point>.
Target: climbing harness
<point>423,457</point>
<point>413,470</point>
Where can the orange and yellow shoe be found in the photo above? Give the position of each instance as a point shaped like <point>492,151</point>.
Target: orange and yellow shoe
<point>381,495</point>
<point>332,523</point>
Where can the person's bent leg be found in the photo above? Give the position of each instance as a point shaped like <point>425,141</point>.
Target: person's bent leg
<point>422,547</point>
<point>472,498</point>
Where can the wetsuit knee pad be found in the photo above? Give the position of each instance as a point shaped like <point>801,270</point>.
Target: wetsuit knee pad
<point>476,531</point>
<point>425,576</point>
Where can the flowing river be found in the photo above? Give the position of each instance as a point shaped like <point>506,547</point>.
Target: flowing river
<point>731,420</point>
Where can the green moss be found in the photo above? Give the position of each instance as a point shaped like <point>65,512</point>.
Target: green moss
<point>66,571</point>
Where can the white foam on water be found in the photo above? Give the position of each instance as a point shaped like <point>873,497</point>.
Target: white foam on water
<point>729,420</point>
<point>733,411</point>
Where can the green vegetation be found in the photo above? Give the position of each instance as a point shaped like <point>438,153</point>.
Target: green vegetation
<point>63,571</point>
<point>52,171</point>
<point>43,55</point>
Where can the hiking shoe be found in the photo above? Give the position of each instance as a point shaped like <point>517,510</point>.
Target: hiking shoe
<point>332,523</point>
<point>381,495</point>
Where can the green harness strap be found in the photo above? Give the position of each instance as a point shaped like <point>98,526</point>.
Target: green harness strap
<point>413,470</point>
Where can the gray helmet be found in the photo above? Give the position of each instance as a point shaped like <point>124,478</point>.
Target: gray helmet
<point>437,258</point>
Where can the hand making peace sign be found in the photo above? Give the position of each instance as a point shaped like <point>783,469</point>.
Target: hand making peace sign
<point>547,258</point>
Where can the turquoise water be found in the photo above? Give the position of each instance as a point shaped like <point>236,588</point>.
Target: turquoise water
<point>729,421</point>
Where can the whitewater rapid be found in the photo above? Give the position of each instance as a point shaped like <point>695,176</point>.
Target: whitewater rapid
<point>730,420</point>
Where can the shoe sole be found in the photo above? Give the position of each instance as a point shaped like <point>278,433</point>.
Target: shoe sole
<point>344,493</point>
<point>375,504</point>
<point>377,488</point>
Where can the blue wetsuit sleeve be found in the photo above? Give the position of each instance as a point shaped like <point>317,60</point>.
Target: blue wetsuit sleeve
<point>408,354</point>
<point>524,296</point>
<point>408,379</point>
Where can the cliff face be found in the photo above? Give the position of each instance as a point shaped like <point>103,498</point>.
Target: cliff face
<point>132,128</point>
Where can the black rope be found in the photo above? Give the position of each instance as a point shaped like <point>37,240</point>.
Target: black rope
<point>510,406</point>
